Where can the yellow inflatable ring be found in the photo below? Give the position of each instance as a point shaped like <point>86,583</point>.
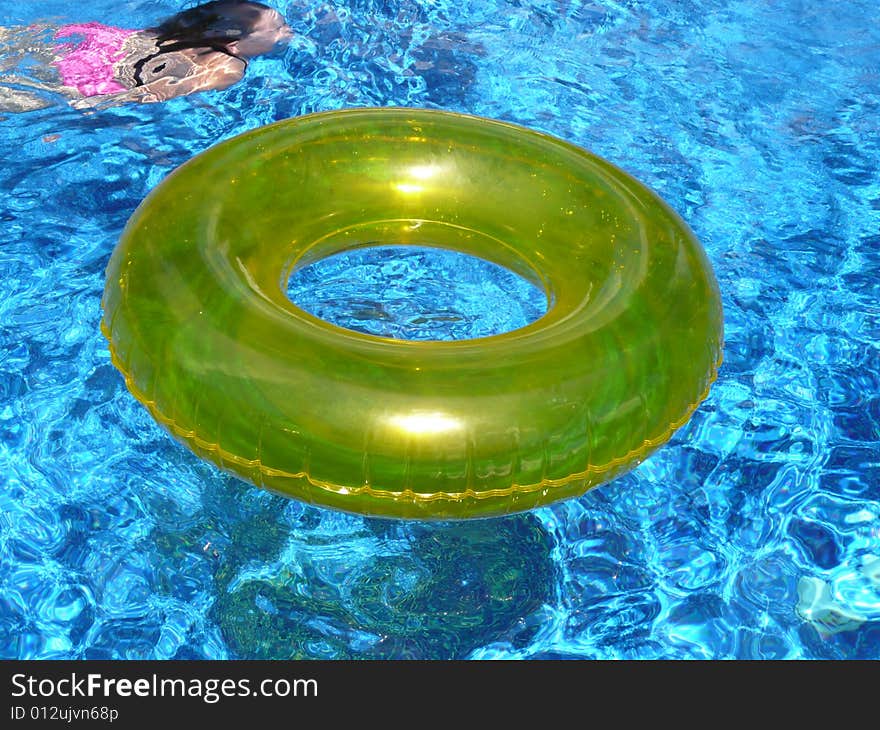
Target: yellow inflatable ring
<point>198,320</point>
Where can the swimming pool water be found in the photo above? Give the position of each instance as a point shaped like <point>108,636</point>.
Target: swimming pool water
<point>754,534</point>
<point>416,293</point>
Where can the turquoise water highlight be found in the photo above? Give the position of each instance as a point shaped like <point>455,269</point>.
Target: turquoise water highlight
<point>754,534</point>
<point>416,293</point>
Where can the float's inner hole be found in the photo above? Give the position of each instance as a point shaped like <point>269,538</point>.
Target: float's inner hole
<point>416,293</point>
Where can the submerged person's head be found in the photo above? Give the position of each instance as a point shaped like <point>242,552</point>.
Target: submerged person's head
<point>237,27</point>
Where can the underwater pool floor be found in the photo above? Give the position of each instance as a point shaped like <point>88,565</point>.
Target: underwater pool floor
<point>755,533</point>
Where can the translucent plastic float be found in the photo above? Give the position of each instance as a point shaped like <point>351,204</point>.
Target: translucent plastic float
<point>199,323</point>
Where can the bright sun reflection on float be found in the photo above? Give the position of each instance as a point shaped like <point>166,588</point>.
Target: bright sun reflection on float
<point>425,423</point>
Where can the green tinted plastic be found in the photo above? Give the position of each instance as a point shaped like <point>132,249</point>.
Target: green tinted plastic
<point>199,323</point>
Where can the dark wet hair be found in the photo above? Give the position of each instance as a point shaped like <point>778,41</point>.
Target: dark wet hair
<point>204,26</point>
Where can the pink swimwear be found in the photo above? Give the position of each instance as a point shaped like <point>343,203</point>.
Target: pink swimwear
<point>88,66</point>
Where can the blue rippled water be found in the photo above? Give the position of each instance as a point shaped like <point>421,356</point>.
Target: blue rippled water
<point>416,293</point>
<point>754,534</point>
